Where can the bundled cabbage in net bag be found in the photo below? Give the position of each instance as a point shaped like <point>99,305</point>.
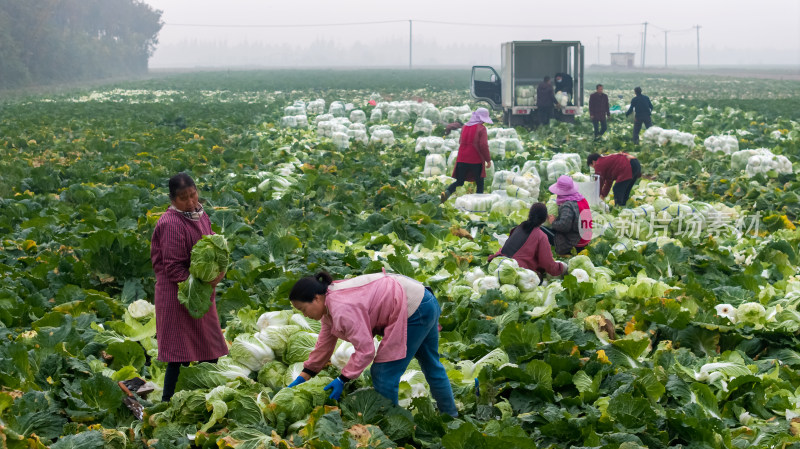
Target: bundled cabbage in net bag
<point>358,116</point>
<point>435,165</point>
<point>423,125</point>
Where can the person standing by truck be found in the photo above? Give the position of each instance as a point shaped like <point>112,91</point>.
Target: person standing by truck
<point>599,111</point>
<point>473,154</point>
<point>621,169</point>
<point>643,107</point>
<point>545,101</point>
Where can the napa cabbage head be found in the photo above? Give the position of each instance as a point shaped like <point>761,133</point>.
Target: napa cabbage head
<point>299,347</point>
<point>251,352</point>
<point>210,257</point>
<point>473,275</point>
<point>504,269</point>
<point>141,309</point>
<point>485,284</point>
<point>293,404</point>
<point>509,292</point>
<point>342,354</point>
<point>581,275</point>
<point>527,280</point>
<point>272,374</point>
<point>460,292</point>
<point>274,318</point>
<point>581,262</point>
<point>751,314</point>
<point>645,287</point>
<point>277,337</point>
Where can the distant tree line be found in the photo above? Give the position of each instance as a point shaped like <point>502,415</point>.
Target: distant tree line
<point>52,41</point>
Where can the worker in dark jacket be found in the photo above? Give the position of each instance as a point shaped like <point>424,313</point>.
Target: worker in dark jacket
<point>621,169</point>
<point>545,101</point>
<point>643,107</point>
<point>564,84</point>
<point>572,228</point>
<point>599,111</point>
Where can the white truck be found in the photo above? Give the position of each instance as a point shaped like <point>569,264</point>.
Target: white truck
<point>523,65</point>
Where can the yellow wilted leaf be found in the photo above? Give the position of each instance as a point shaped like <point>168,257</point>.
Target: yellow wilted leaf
<point>602,357</point>
<point>28,244</point>
<point>630,326</point>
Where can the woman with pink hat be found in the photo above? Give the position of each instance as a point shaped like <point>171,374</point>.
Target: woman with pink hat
<point>473,154</point>
<point>573,226</point>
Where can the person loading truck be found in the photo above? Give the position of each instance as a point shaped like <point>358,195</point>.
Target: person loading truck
<point>545,101</point>
<point>564,84</point>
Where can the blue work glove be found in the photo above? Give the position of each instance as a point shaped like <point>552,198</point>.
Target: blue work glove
<point>337,386</point>
<point>296,382</point>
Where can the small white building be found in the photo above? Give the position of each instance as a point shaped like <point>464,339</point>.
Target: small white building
<point>622,59</point>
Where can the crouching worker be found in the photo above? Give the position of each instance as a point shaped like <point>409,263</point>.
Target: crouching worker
<point>396,307</point>
<point>620,169</point>
<point>528,245</point>
<point>572,228</point>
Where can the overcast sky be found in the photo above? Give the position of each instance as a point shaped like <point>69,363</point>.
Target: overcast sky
<point>732,31</point>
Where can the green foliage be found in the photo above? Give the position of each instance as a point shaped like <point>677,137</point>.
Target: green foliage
<point>638,355</point>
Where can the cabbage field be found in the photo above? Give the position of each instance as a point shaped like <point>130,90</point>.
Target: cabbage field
<point>679,326</point>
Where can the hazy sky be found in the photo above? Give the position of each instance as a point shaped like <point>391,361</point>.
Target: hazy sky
<point>732,31</point>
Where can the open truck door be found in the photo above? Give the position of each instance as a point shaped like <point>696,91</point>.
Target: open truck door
<point>485,86</point>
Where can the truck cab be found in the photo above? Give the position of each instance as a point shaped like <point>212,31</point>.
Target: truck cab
<point>523,65</point>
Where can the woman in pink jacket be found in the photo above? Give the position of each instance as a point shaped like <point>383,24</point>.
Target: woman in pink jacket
<point>396,307</point>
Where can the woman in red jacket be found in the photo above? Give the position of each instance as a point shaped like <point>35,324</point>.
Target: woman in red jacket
<point>620,169</point>
<point>473,154</point>
<point>528,245</point>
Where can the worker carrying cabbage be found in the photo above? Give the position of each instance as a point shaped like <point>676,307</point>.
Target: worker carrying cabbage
<point>564,84</point>
<point>643,108</point>
<point>529,246</point>
<point>398,308</point>
<point>473,154</point>
<point>621,169</point>
<point>572,228</point>
<point>545,101</point>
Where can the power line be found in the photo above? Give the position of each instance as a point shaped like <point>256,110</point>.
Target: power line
<point>503,25</point>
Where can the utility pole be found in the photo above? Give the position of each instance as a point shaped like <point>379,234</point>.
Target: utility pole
<point>644,43</point>
<point>618,35</point>
<point>598,50</point>
<point>665,48</point>
<point>410,41</point>
<point>698,46</point>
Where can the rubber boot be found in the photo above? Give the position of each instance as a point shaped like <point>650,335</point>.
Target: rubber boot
<point>445,195</point>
